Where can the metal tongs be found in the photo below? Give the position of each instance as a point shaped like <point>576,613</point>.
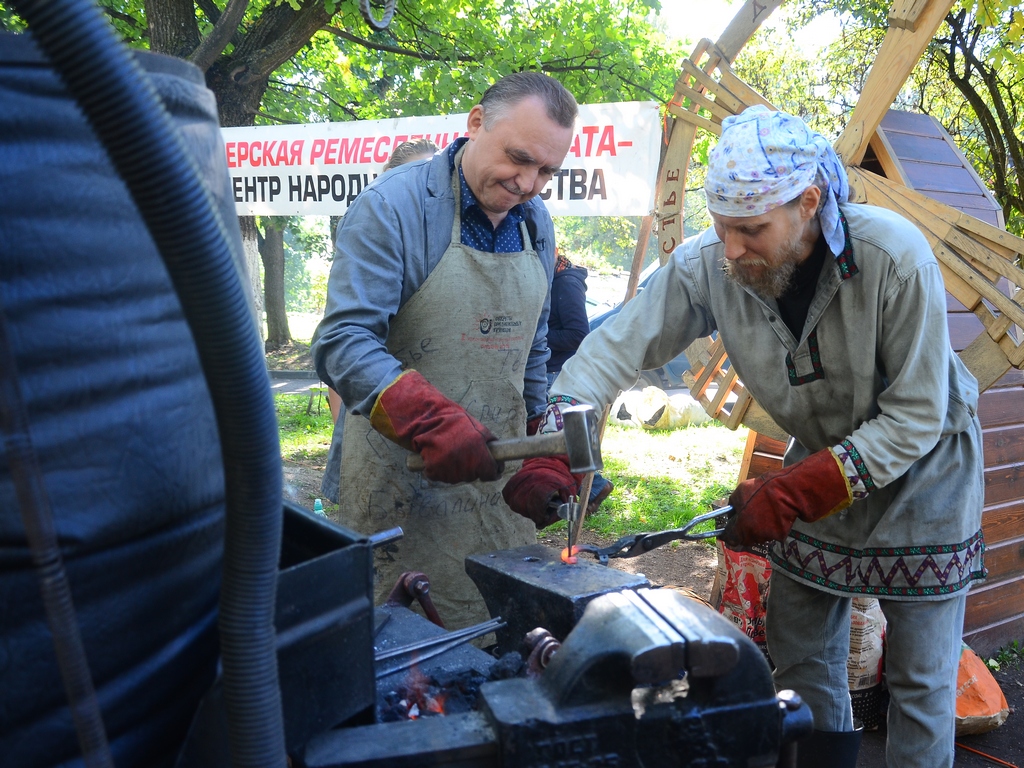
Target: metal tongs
<point>639,543</point>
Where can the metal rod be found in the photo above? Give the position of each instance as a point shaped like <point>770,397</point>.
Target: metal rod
<point>429,642</point>
<point>436,647</point>
<point>386,537</point>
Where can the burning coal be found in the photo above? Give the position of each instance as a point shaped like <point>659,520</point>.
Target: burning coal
<point>421,695</point>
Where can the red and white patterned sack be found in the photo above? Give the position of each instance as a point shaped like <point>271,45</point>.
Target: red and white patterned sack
<point>741,589</point>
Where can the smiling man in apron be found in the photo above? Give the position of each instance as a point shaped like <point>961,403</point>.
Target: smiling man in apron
<point>435,334</point>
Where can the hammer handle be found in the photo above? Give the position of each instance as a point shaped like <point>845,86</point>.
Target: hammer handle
<point>550,444</point>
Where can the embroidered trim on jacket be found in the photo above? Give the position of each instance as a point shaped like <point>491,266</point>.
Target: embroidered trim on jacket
<point>818,373</point>
<point>858,464</point>
<point>883,572</point>
<point>847,266</point>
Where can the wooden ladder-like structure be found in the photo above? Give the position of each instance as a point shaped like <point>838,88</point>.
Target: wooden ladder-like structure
<point>975,257</point>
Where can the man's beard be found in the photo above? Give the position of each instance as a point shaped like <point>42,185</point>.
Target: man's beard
<point>767,278</point>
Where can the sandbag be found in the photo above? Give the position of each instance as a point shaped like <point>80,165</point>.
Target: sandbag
<point>684,411</point>
<point>980,704</point>
<point>654,411</point>
<point>741,589</point>
<point>625,409</point>
<point>866,662</point>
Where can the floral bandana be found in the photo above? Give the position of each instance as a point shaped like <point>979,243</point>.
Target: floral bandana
<point>765,159</point>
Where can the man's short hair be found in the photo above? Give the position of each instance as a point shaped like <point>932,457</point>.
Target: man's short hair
<point>822,184</point>
<point>512,89</point>
<point>409,150</point>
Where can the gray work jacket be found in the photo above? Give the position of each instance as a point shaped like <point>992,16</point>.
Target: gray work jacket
<point>387,244</point>
<point>873,367</point>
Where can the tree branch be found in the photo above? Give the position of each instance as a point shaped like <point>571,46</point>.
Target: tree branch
<point>997,124</point>
<point>393,48</point>
<point>211,11</point>
<point>131,21</point>
<point>282,121</point>
<point>223,30</point>
<point>284,86</point>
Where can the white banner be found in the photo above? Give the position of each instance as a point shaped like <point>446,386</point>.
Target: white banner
<point>319,168</point>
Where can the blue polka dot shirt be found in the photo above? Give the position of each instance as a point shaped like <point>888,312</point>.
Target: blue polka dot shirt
<point>477,231</point>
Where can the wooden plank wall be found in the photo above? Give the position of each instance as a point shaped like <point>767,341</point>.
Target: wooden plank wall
<point>917,149</point>
<point>995,609</point>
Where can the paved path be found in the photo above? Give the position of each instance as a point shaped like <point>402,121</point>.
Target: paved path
<point>293,382</point>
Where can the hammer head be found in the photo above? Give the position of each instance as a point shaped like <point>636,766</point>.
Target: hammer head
<point>582,431</point>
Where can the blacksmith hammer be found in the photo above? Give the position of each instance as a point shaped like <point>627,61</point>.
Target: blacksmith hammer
<point>579,439</point>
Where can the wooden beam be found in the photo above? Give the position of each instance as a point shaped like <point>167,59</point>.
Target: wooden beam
<point>695,120</point>
<point>739,409</point>
<point>744,24</point>
<point>722,95</point>
<point>962,278</point>
<point>702,101</point>
<point>741,90</point>
<point>963,269</point>
<point>672,180</point>
<point>991,260</point>
<point>887,158</point>
<point>716,354</point>
<point>726,383</point>
<point>900,51</point>
<point>905,13</point>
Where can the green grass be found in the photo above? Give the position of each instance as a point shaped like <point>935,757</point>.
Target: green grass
<point>305,437</point>
<point>662,479</point>
<point>666,478</point>
<point>1010,656</point>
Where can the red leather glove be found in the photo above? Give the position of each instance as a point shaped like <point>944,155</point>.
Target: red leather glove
<point>533,487</point>
<point>413,413</point>
<point>766,507</point>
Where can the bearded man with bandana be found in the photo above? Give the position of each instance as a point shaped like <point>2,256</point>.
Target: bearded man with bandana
<point>834,316</point>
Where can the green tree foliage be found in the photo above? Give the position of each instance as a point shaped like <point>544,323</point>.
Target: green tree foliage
<point>600,242</point>
<point>970,78</point>
<point>440,57</point>
<point>300,61</point>
<point>307,263</point>
<point>793,80</point>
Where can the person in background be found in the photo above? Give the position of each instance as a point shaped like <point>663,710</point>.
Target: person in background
<point>567,327</point>
<point>407,152</point>
<point>834,316</point>
<point>435,336</point>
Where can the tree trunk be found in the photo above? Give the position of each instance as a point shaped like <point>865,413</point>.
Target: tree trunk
<point>172,27</point>
<point>250,245</point>
<point>272,252</point>
<point>239,80</point>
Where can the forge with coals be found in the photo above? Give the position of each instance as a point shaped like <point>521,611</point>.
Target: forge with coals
<point>591,666</point>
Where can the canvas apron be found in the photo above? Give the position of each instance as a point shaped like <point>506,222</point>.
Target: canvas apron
<point>469,329</point>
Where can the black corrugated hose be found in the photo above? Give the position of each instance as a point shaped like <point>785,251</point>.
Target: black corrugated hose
<point>131,123</point>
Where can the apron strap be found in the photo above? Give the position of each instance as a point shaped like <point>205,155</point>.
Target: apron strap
<point>457,191</point>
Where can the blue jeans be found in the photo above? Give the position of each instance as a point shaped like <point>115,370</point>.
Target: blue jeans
<point>809,640</point>
<point>599,481</point>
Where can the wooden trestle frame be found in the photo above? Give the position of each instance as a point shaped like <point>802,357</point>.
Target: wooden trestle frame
<point>974,256</point>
